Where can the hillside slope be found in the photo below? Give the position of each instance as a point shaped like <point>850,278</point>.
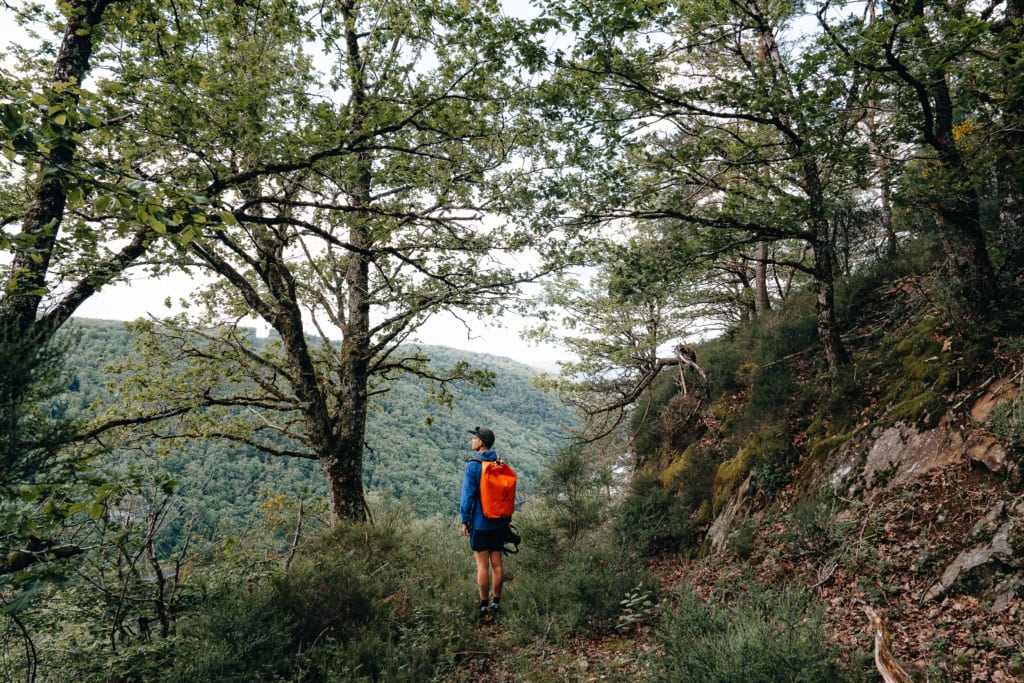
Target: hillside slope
<point>409,458</point>
<point>897,487</point>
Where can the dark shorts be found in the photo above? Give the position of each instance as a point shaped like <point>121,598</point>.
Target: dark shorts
<point>487,539</point>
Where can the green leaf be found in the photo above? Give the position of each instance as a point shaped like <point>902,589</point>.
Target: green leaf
<point>75,195</point>
<point>103,203</point>
<point>21,600</point>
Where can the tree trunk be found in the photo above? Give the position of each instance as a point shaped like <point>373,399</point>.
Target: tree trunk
<point>1010,170</point>
<point>824,271</point>
<point>884,174</point>
<point>962,236</point>
<point>345,469</point>
<point>762,304</point>
<point>825,308</point>
<point>27,282</point>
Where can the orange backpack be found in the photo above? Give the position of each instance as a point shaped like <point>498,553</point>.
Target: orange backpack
<point>497,488</point>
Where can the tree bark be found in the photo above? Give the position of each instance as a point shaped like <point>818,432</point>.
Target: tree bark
<point>832,347</point>
<point>26,284</point>
<point>344,469</point>
<point>882,164</point>
<point>824,272</point>
<point>762,304</point>
<point>960,211</point>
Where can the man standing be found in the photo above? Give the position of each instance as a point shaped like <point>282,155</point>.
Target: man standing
<point>486,535</point>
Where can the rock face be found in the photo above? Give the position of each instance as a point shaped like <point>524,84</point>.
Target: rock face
<point>986,451</point>
<point>901,453</point>
<point>862,468</point>
<point>878,459</point>
<point>869,463</point>
<point>986,564</point>
<point>739,504</point>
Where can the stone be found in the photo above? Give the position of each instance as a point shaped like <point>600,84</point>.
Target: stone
<point>990,522</point>
<point>998,391</point>
<point>1006,591</point>
<point>986,451</point>
<point>739,504</point>
<point>902,453</point>
<point>982,558</point>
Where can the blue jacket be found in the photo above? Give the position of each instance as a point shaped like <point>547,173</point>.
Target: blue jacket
<point>469,507</point>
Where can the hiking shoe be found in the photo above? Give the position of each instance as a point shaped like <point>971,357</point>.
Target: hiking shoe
<point>493,609</point>
<point>486,615</point>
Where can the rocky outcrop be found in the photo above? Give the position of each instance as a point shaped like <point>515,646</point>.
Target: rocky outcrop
<point>863,467</point>
<point>875,460</point>
<point>740,504</point>
<point>984,450</point>
<point>989,567</point>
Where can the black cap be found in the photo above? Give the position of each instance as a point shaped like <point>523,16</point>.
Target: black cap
<point>485,434</point>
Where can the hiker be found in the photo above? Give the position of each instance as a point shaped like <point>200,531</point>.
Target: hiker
<point>486,536</point>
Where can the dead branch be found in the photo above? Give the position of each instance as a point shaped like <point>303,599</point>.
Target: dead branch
<point>295,539</point>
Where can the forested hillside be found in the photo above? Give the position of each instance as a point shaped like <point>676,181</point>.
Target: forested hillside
<point>782,243</point>
<point>417,449</point>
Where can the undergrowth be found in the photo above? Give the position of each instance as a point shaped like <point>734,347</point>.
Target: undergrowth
<point>753,633</point>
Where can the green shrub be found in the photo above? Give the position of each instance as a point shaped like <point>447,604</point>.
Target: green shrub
<point>1007,420</point>
<point>390,602</point>
<point>644,424</point>
<point>238,635</point>
<point>722,360</point>
<point>763,634</point>
<point>773,458</point>
<point>650,519</point>
<point>689,479</point>
<point>583,590</point>
<point>808,528</point>
<point>572,489</point>
<point>741,538</point>
<point>788,330</point>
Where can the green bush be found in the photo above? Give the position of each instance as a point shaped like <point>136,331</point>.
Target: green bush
<point>584,589</point>
<point>650,519</point>
<point>644,424</point>
<point>388,602</point>
<point>808,528</point>
<point>788,330</point>
<point>741,540</point>
<point>721,360</point>
<point>761,634</point>
<point>1007,420</point>
<point>571,487</point>
<point>690,478</point>
<point>774,458</point>
<point>238,635</point>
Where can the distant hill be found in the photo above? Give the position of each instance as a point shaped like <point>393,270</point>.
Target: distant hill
<point>408,457</point>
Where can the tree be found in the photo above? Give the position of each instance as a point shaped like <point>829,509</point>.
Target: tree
<point>730,131</point>
<point>927,56</point>
<point>374,221</point>
<point>623,324</point>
